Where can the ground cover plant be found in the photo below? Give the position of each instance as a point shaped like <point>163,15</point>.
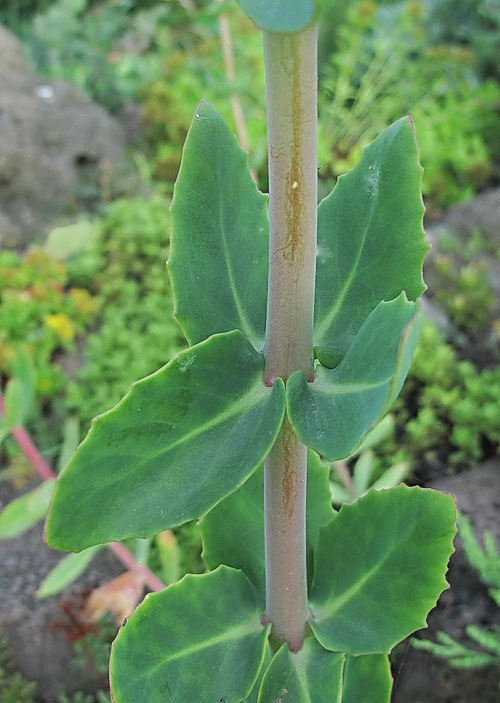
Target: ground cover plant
<point>308,602</point>
<point>486,560</point>
<point>390,59</point>
<point>447,414</point>
<point>136,332</point>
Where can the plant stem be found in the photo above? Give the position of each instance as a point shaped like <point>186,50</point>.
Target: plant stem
<point>291,88</point>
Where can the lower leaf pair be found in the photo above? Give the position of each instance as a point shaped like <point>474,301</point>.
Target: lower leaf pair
<point>203,639</point>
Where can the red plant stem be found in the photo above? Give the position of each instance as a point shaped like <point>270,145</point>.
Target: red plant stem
<point>128,559</point>
<point>32,454</point>
<point>45,472</point>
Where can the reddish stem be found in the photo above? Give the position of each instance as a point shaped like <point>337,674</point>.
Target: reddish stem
<point>45,472</point>
<point>128,559</point>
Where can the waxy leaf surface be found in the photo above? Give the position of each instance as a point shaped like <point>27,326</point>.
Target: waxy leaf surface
<point>280,16</point>
<point>220,238</point>
<point>182,439</point>
<point>308,676</point>
<point>333,413</point>
<point>199,640</point>
<point>370,239</point>
<point>391,550</point>
<point>233,531</point>
<point>367,678</point>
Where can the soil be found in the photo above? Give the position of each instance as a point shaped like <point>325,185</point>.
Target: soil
<point>39,652</point>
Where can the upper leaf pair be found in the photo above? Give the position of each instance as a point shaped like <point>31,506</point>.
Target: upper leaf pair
<point>370,249</point>
<point>370,238</point>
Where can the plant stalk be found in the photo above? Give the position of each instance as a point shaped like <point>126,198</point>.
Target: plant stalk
<point>291,89</point>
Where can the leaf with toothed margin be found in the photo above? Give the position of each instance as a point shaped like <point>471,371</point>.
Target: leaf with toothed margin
<point>180,441</point>
<point>391,550</point>
<point>220,236</point>
<point>233,531</point>
<point>200,639</point>
<point>367,678</point>
<point>310,675</point>
<point>371,241</point>
<point>334,413</point>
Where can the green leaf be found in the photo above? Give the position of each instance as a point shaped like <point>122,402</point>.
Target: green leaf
<point>382,431</point>
<point>252,698</point>
<point>23,371</point>
<point>391,550</point>
<point>367,679</point>
<point>198,640</point>
<point>220,238</point>
<point>371,242</point>
<point>4,432</point>
<point>66,571</point>
<point>71,437</point>
<point>363,472</point>
<point>24,512</point>
<point>393,476</point>
<point>16,406</point>
<point>310,675</point>
<point>168,556</point>
<point>333,413</point>
<point>280,16</point>
<point>182,439</point>
<point>233,531</point>
<point>71,240</point>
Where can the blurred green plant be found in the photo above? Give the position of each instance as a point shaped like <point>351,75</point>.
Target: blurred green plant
<point>385,65</point>
<point>14,688</point>
<point>42,317</point>
<point>16,15</point>
<point>353,477</point>
<point>461,281</point>
<point>41,314</point>
<point>194,67</point>
<point>448,411</point>
<point>93,649</point>
<point>80,697</point>
<point>474,23</point>
<point>486,561</point>
<point>136,331</point>
<point>107,49</point>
